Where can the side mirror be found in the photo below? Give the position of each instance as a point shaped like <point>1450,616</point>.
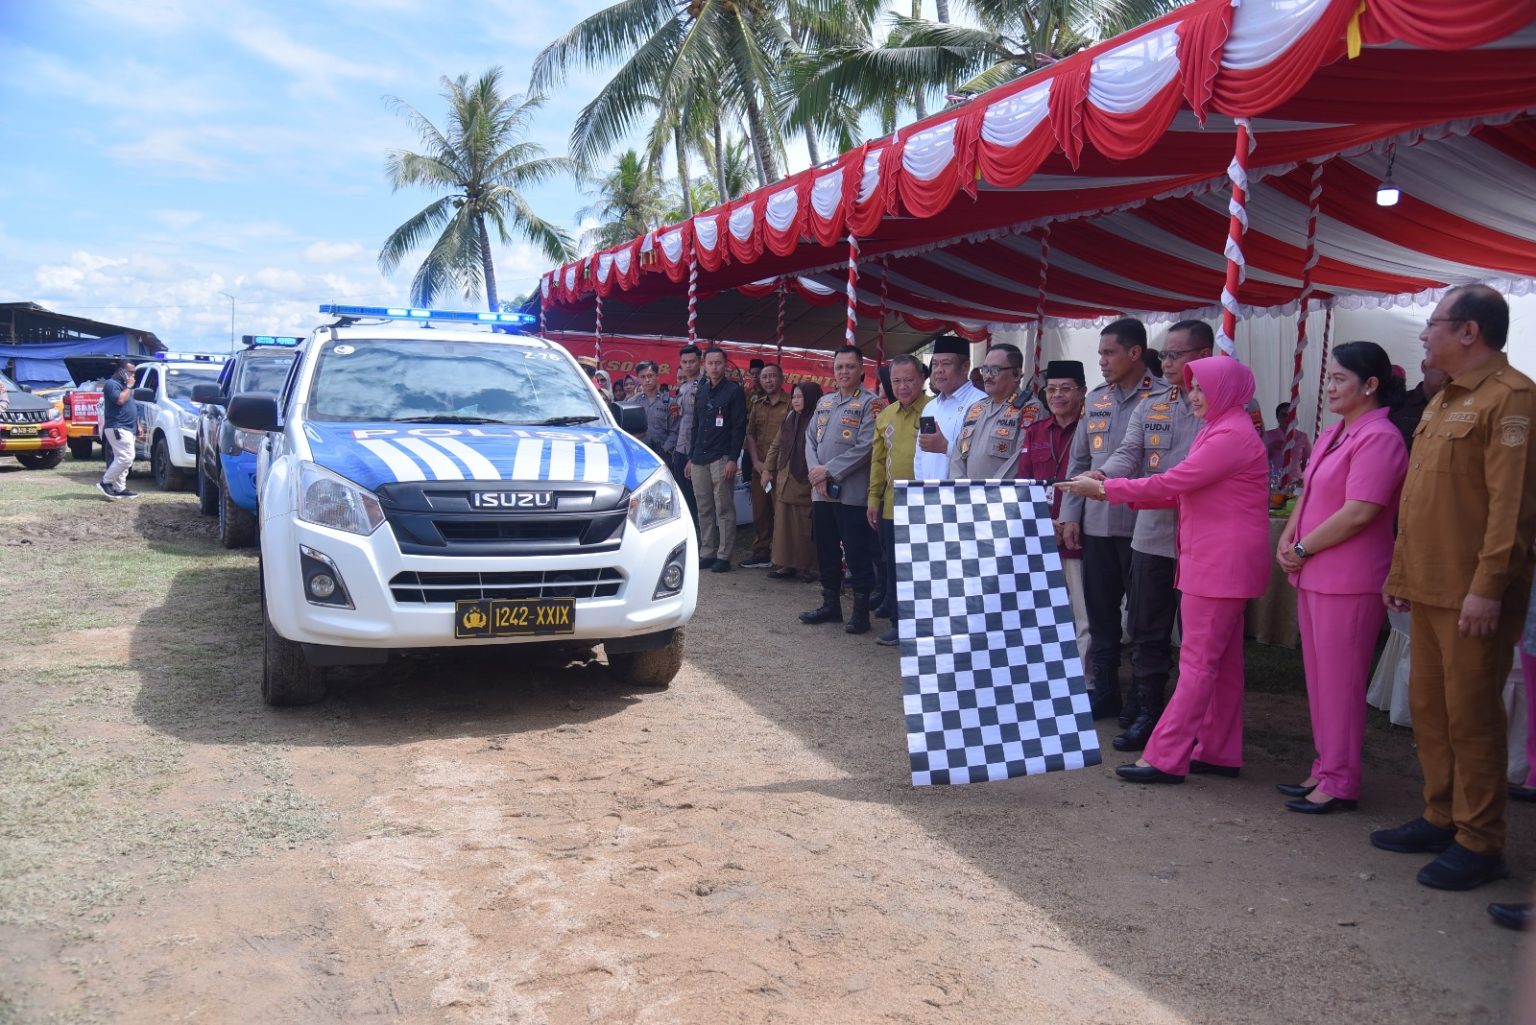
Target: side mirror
<point>253,411</point>
<point>144,394</point>
<point>207,394</point>
<point>631,418</point>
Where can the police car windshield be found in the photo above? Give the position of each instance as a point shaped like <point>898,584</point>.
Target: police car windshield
<point>264,373</point>
<point>424,380</point>
<point>178,382</point>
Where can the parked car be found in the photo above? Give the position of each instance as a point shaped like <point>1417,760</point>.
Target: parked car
<point>31,429</point>
<point>226,459</point>
<point>167,418</point>
<point>81,404</point>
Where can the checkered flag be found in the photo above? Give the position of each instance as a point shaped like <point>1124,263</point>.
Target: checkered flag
<point>992,681</point>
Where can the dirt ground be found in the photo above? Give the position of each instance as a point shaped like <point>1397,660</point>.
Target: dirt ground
<point>500,840</point>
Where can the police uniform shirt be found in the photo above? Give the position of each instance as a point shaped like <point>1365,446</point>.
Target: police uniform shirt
<point>661,417</point>
<point>949,412</point>
<point>683,400</point>
<point>1157,438</point>
<point>1106,414</point>
<point>990,437</point>
<point>841,438</point>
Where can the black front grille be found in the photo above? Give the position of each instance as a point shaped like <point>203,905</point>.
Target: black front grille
<point>563,533</point>
<point>447,588</point>
<point>438,518</point>
<point>27,416</point>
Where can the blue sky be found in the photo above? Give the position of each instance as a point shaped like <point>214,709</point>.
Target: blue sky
<point>159,152</point>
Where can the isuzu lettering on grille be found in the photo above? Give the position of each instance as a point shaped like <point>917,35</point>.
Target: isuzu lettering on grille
<point>512,499</point>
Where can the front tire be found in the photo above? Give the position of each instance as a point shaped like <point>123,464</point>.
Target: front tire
<point>237,528</point>
<point>41,460</point>
<point>287,678</point>
<point>168,476</point>
<point>80,448</point>
<point>648,668</point>
<point>208,493</point>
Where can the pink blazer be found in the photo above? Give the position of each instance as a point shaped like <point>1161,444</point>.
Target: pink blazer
<point>1221,490</point>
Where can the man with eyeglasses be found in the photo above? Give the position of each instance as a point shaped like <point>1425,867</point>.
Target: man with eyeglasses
<point>1103,530</point>
<point>1462,568</point>
<point>992,430</point>
<point>1045,455</point>
<point>949,379</point>
<point>1157,438</point>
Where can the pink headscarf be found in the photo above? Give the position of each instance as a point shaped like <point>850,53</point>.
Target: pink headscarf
<point>1227,384</point>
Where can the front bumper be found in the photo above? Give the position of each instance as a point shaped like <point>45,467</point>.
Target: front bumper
<point>367,565</point>
<point>50,436</point>
<point>181,446</point>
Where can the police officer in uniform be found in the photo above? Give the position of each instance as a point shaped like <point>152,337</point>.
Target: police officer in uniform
<point>1102,529</point>
<point>837,453</point>
<point>689,361</point>
<point>1157,438</point>
<point>661,415</point>
<point>993,429</point>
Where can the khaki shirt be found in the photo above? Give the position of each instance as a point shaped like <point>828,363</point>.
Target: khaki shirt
<point>764,415</point>
<point>1469,501</point>
<point>990,437</point>
<point>841,438</point>
<point>1106,414</point>
<point>682,398</point>
<point>1157,438</point>
<point>894,453</point>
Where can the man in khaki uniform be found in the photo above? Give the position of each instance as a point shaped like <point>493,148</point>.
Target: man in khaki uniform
<point>837,451</point>
<point>892,459</point>
<point>765,413</point>
<point>1462,568</point>
<point>993,429</point>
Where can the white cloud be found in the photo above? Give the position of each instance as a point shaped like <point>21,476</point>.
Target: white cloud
<point>332,252</point>
<point>181,220</point>
<point>176,151</point>
<point>83,268</point>
<point>313,68</point>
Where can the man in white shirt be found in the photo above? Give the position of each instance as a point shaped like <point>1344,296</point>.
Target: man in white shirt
<point>953,393</point>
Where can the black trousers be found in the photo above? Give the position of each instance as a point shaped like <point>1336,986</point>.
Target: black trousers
<point>678,461</point>
<point>1106,581</point>
<point>1154,602</point>
<point>841,532</point>
<point>888,543</point>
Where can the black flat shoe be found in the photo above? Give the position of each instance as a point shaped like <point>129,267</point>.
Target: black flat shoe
<point>1199,768</point>
<point>1295,789</point>
<point>1329,806</point>
<point>1511,916</point>
<point>1520,793</point>
<point>1146,774</point>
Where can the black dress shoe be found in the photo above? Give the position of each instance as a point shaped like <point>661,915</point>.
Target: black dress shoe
<point>1416,837</point>
<point>1329,806</point>
<point>1520,793</point>
<point>1146,774</point>
<point>721,566</point>
<point>1199,768</point>
<point>1511,916</point>
<point>1461,869</point>
<point>1295,789</point>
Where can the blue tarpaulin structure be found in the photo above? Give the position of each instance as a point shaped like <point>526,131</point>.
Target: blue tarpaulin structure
<point>35,341</point>
<point>41,364</point>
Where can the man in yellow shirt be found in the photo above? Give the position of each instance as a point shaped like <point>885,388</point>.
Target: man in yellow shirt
<point>891,459</point>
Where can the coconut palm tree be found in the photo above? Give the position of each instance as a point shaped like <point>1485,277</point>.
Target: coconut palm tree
<point>479,163</point>
<point>630,201</point>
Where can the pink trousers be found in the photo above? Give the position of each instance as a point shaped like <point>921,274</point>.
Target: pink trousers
<point>1338,638</point>
<point>1528,669</point>
<point>1204,720</point>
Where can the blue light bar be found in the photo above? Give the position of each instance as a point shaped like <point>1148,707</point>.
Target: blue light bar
<point>191,357</point>
<point>412,313</point>
<point>264,341</point>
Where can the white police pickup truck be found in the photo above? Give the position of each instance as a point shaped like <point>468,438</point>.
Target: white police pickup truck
<point>429,483</point>
<point>167,415</point>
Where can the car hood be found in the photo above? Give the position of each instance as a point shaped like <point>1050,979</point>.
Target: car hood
<point>92,368</point>
<point>26,402</point>
<point>374,454</point>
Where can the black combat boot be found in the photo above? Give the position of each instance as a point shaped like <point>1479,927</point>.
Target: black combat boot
<point>1148,693</point>
<point>1130,709</point>
<point>831,610</point>
<point>1106,697</point>
<point>858,623</point>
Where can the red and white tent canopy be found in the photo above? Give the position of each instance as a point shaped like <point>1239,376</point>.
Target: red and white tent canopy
<point>1116,182</point>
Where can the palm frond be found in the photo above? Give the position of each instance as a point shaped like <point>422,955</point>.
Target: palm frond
<point>603,38</point>
<point>410,235</point>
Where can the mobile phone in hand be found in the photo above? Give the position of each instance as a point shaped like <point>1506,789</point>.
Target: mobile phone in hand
<point>927,425</point>
<point>834,489</point>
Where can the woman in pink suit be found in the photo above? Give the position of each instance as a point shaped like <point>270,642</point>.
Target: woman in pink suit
<point>1221,490</point>
<point>1338,548</point>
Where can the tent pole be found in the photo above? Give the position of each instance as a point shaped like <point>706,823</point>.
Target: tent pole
<point>779,334</point>
<point>1322,374</point>
<point>885,270</point>
<point>1237,224</point>
<point>1037,378</point>
<point>597,337</point>
<point>850,336</point>
<point>1314,204</point>
<point>693,296</point>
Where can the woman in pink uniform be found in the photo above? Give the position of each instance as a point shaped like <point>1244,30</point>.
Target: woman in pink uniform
<point>1221,490</point>
<point>1337,548</point>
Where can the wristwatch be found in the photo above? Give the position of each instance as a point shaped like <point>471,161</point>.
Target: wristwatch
<point>1299,550</point>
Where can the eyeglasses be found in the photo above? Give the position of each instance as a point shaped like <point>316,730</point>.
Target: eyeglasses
<point>1179,352</point>
<point>1061,389</point>
<point>1432,321</point>
<point>994,371</point>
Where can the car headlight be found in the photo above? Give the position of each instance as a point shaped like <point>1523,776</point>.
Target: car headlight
<point>655,502</point>
<point>329,500</point>
<point>187,420</point>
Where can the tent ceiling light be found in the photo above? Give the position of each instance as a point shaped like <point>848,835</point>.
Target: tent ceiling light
<point>1387,193</point>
